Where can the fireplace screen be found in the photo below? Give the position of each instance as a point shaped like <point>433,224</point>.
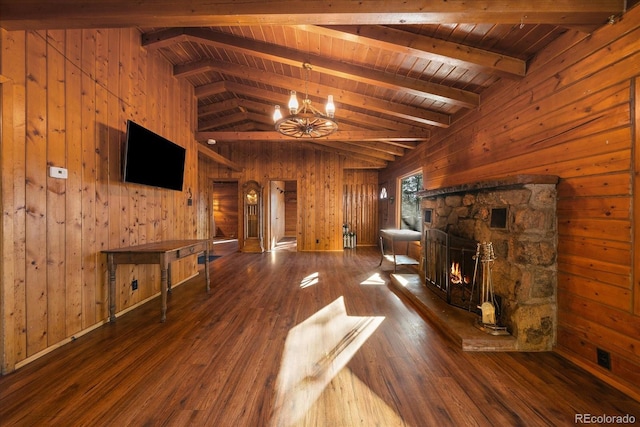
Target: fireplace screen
<point>450,268</point>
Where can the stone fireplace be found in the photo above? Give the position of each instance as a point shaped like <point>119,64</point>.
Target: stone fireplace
<point>518,216</point>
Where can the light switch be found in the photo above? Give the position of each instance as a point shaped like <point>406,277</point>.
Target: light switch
<point>55,172</point>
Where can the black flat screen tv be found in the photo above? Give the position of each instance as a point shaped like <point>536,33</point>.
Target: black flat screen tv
<point>150,159</point>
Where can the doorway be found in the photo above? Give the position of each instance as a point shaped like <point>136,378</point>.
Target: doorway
<point>225,207</point>
<point>283,215</point>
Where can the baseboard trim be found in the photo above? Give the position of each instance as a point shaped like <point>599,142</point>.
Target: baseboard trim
<point>629,391</point>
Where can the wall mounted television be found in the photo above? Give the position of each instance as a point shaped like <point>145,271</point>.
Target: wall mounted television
<point>150,159</point>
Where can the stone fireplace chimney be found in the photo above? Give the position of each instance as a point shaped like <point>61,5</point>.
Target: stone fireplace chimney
<point>518,215</point>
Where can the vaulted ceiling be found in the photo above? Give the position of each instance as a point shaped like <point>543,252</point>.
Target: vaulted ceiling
<point>397,70</point>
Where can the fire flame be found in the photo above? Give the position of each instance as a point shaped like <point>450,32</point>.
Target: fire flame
<point>456,275</point>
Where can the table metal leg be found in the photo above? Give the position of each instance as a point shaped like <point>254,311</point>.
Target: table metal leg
<point>163,291</point>
<point>206,268</point>
<point>112,288</point>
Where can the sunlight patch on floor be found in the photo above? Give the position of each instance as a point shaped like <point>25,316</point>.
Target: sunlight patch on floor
<point>375,279</point>
<point>347,401</point>
<point>401,280</point>
<point>315,352</point>
<point>310,280</point>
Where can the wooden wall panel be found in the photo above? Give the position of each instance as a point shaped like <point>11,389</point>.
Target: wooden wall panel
<point>73,183</point>
<point>636,200</point>
<point>35,189</point>
<point>56,218</point>
<point>71,95</point>
<point>571,117</point>
<point>12,284</point>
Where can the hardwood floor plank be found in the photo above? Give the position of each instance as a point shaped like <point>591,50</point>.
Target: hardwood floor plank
<point>218,357</point>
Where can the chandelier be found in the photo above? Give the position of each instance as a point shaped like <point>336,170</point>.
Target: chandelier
<point>308,121</point>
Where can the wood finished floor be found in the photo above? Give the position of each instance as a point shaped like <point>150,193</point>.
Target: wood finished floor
<point>217,361</point>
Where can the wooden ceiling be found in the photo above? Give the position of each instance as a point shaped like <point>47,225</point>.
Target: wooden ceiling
<point>397,70</point>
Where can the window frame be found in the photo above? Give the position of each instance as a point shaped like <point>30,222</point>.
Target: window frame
<point>399,199</point>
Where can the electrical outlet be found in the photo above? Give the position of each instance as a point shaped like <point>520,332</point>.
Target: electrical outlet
<point>604,358</point>
<point>134,285</point>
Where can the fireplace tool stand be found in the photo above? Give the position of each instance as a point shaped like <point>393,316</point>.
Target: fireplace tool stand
<point>487,304</point>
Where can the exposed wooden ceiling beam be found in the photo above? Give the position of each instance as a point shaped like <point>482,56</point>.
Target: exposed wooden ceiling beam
<point>354,149</point>
<point>210,89</point>
<point>236,103</point>
<point>436,92</point>
<point>218,158</point>
<point>41,14</point>
<point>266,109</point>
<point>418,115</point>
<point>429,48</point>
<point>218,107</point>
<point>338,136</point>
<point>233,119</point>
<point>393,150</point>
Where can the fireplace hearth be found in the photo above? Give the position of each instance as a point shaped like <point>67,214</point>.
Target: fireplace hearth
<point>518,215</point>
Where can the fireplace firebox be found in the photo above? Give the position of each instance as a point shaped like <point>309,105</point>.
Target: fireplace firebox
<point>450,268</point>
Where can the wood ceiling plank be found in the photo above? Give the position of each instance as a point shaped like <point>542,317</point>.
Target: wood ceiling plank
<point>415,45</point>
<point>47,14</point>
<point>321,64</point>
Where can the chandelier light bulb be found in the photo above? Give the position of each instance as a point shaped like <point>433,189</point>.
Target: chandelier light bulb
<point>330,108</point>
<point>293,103</point>
<point>277,114</point>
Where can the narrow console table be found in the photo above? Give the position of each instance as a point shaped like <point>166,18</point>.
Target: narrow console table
<point>393,236</point>
<point>162,253</point>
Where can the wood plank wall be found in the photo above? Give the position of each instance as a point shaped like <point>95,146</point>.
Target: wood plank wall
<point>66,97</point>
<point>571,116</point>
<point>319,174</point>
<point>361,205</point>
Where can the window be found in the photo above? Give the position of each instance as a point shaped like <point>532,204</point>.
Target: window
<point>410,218</point>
